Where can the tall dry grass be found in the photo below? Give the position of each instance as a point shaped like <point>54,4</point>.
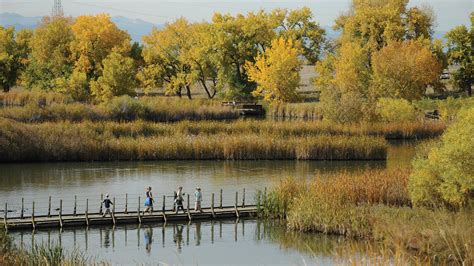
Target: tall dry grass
<point>306,111</point>
<point>125,108</point>
<point>375,205</point>
<point>94,142</point>
<point>22,98</point>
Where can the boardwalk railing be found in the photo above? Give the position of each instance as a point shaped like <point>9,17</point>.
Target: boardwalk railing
<point>80,212</point>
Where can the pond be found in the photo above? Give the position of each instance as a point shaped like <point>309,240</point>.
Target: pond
<point>200,243</point>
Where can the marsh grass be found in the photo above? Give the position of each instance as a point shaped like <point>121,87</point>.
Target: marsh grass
<point>97,142</point>
<point>306,111</point>
<point>373,205</point>
<point>39,98</point>
<point>124,108</point>
<point>40,254</point>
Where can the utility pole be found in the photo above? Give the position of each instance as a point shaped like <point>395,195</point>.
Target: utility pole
<point>57,9</point>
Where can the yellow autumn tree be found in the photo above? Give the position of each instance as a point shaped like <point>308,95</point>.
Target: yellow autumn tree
<point>403,70</point>
<point>95,38</point>
<point>165,54</point>
<point>276,71</point>
<point>50,56</point>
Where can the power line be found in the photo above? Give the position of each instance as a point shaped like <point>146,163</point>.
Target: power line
<point>123,10</point>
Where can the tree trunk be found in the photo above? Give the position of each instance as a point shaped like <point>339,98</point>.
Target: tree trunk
<point>203,83</point>
<point>188,92</point>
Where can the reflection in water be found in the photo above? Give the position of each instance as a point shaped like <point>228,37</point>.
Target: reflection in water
<point>148,238</point>
<point>262,242</point>
<point>178,236</point>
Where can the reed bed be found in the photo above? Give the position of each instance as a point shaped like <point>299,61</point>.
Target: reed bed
<point>67,141</point>
<point>156,109</point>
<point>40,98</point>
<point>374,205</point>
<point>282,129</point>
<point>306,111</point>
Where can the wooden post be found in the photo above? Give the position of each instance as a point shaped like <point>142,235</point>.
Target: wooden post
<point>113,211</point>
<point>189,214</point>
<point>212,206</point>
<point>126,203</point>
<point>5,211</point>
<point>138,211</point>
<point>220,200</point>
<point>87,212</point>
<point>33,216</point>
<point>243,199</point>
<point>235,205</point>
<point>101,200</point>
<point>49,207</point>
<point>75,205</point>
<point>22,207</point>
<point>60,212</point>
<point>164,208</point>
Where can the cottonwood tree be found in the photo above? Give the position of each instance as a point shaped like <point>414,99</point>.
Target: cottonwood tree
<point>164,54</point>
<point>367,28</point>
<point>403,70</point>
<point>118,78</point>
<point>299,25</point>
<point>460,43</point>
<point>14,50</point>
<point>276,71</point>
<point>51,56</point>
<point>95,37</point>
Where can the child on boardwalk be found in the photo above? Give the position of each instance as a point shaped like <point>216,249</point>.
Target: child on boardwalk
<point>107,202</point>
<point>148,201</point>
<point>178,199</point>
<point>198,199</point>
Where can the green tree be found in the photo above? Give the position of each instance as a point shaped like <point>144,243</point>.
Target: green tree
<point>14,50</point>
<point>239,39</point>
<point>276,71</point>
<point>298,25</point>
<point>118,78</point>
<point>444,176</point>
<point>76,86</point>
<point>51,55</point>
<point>460,43</point>
<point>165,57</point>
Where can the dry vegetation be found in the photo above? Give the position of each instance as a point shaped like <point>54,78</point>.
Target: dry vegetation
<point>375,205</point>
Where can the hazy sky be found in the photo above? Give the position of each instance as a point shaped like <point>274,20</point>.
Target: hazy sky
<point>449,13</point>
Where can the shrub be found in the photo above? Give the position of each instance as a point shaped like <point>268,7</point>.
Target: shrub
<point>445,175</point>
<point>125,108</point>
<point>396,110</point>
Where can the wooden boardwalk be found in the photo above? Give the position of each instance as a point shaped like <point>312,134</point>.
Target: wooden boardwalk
<point>60,221</point>
<point>87,218</point>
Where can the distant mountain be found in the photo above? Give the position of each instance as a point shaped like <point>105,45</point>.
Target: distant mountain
<point>135,27</point>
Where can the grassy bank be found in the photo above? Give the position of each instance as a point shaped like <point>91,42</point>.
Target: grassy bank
<point>50,107</point>
<point>67,141</point>
<point>374,205</point>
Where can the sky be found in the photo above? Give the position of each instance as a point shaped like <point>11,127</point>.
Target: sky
<point>449,13</point>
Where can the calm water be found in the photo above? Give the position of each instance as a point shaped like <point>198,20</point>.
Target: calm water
<point>199,243</point>
<point>247,242</point>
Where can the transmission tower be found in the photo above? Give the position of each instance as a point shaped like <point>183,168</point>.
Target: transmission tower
<point>57,9</point>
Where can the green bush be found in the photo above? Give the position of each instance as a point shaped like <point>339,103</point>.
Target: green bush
<point>396,110</point>
<point>125,108</point>
<point>445,174</point>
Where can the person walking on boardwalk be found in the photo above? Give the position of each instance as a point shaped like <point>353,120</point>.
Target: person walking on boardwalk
<point>107,202</point>
<point>197,199</point>
<point>178,199</point>
<point>148,201</point>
